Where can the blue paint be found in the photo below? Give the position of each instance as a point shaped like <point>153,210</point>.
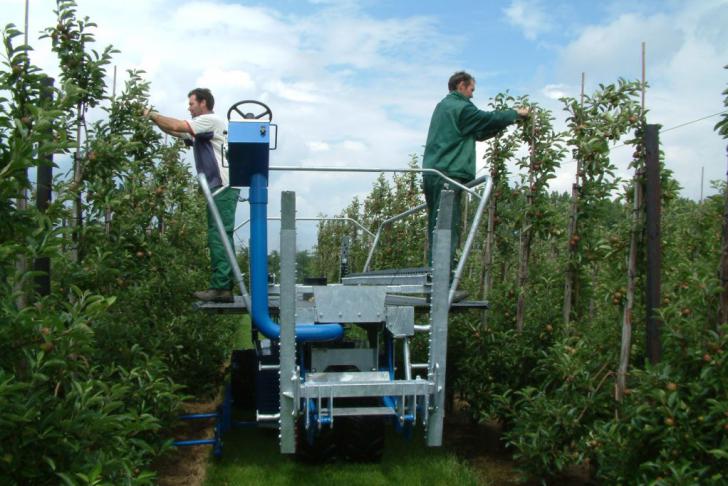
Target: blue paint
<point>184,443</point>
<point>198,416</point>
<point>249,132</point>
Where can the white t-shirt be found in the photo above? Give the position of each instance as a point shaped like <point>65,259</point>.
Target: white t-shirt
<point>208,137</point>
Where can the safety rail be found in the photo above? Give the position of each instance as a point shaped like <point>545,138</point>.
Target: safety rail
<point>468,187</point>
<point>295,168</point>
<point>314,218</point>
<point>404,214</point>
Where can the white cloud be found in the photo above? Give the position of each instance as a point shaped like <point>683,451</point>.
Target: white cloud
<point>318,146</point>
<point>353,145</point>
<point>529,16</point>
<point>217,79</point>
<point>605,51</point>
<point>555,91</point>
<point>685,52</point>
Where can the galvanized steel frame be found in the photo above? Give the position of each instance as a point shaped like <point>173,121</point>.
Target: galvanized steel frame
<point>287,373</point>
<point>438,317</point>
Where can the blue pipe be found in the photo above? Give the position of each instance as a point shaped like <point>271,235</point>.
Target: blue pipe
<point>184,443</point>
<point>198,416</point>
<point>259,273</point>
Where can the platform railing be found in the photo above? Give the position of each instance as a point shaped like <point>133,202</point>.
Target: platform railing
<point>468,187</point>
<point>472,184</point>
<point>314,218</point>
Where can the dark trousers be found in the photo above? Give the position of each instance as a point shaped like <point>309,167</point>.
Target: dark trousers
<point>222,272</point>
<point>432,186</point>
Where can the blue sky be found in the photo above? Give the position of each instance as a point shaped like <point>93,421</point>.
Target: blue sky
<point>353,83</point>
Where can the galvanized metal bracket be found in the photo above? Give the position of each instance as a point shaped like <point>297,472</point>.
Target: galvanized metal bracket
<point>401,320</point>
<point>338,303</point>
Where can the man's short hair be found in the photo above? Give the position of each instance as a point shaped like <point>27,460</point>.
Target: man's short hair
<point>457,78</point>
<point>203,94</point>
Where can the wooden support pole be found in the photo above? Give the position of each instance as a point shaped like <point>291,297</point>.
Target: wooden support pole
<point>644,79</point>
<point>113,84</point>
<point>653,213</point>
<point>571,273</point>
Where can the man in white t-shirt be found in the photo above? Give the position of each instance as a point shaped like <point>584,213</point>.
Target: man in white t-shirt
<point>205,133</point>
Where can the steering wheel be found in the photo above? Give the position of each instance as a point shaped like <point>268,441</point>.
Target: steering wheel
<point>250,115</point>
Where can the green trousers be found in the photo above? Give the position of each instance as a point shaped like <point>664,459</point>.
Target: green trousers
<point>222,272</point>
<point>432,186</point>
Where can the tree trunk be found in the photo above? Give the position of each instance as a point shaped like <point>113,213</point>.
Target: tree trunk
<point>107,221</point>
<point>525,253</point>
<point>571,250</point>
<point>486,270</point>
<point>77,221</point>
<point>631,286</point>
<point>526,236</point>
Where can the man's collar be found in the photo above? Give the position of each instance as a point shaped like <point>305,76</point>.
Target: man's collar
<point>458,94</point>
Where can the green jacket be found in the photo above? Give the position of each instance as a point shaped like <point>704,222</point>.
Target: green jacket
<point>455,126</point>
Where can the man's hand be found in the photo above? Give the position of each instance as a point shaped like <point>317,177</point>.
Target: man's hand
<point>149,113</point>
<point>523,112</point>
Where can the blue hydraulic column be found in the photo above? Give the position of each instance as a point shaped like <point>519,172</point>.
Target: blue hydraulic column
<point>248,155</point>
<point>259,272</point>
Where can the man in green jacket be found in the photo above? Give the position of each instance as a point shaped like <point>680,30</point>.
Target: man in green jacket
<point>455,126</point>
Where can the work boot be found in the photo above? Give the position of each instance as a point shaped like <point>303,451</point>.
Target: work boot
<point>215,295</point>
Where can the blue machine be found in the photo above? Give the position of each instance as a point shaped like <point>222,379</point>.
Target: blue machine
<point>324,370</point>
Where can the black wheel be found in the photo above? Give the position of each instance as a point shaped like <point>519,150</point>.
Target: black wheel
<point>243,364</point>
<point>361,439</point>
<point>314,446</point>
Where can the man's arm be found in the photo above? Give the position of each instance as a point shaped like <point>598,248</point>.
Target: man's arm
<point>173,126</point>
<point>486,124</point>
<point>183,135</point>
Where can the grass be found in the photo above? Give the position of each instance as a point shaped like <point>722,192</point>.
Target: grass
<point>242,338</point>
<point>252,457</point>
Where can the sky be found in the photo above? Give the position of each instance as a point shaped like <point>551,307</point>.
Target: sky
<point>354,83</point>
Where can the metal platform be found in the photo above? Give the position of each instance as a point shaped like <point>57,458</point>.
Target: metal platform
<point>420,303</point>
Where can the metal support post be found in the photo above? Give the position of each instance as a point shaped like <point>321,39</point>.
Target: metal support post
<point>438,316</point>
<point>287,370</point>
<point>652,203</point>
